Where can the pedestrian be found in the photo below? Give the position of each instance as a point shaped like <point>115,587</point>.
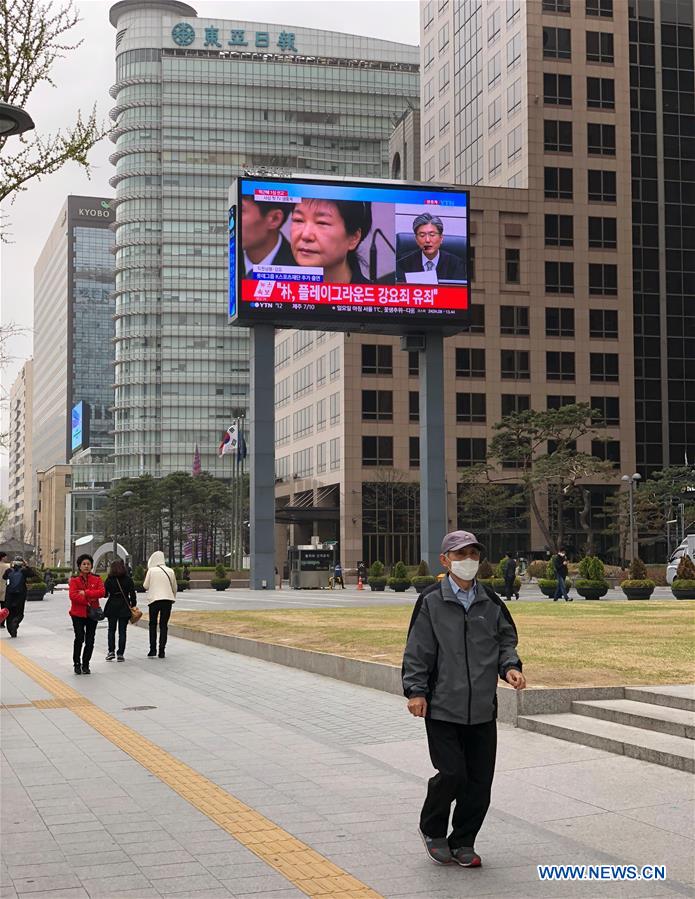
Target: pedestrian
<point>509,577</point>
<point>122,597</point>
<point>85,590</point>
<point>4,565</point>
<point>561,573</point>
<point>338,575</point>
<point>186,572</point>
<point>16,576</point>
<point>461,638</point>
<point>49,580</point>
<point>160,584</point>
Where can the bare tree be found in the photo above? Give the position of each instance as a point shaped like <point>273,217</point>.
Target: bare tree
<point>32,38</point>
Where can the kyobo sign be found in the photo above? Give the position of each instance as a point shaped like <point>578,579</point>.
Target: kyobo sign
<point>184,35</point>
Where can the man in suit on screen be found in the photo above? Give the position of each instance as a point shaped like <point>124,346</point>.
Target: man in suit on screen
<point>429,257</point>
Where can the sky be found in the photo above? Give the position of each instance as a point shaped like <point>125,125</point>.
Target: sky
<point>83,79</point>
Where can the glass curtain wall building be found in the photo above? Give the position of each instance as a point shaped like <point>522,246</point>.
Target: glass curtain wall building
<point>198,101</point>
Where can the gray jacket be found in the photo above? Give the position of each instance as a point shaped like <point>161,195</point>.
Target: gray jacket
<point>453,657</point>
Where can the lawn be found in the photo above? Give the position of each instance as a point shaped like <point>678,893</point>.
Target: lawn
<point>562,645</point>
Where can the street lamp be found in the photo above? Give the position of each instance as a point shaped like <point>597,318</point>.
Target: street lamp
<point>14,120</point>
<point>631,480</point>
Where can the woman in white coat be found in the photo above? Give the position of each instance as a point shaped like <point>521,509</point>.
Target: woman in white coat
<point>160,584</point>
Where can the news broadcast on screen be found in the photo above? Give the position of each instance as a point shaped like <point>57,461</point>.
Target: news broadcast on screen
<point>342,254</point>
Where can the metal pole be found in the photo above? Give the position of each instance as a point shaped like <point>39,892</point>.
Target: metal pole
<point>262,512</point>
<point>433,513</point>
<point>681,510</point>
<point>632,525</point>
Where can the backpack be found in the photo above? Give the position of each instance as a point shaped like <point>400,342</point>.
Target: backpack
<point>15,581</point>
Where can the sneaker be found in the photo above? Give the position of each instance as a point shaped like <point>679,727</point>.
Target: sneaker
<point>161,654</point>
<point>120,659</point>
<point>85,669</point>
<point>437,849</point>
<point>78,669</point>
<point>466,856</point>
<point>152,654</point>
<point>110,656</point>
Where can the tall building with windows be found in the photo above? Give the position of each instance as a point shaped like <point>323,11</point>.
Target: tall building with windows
<point>73,332</point>
<point>19,503</point>
<point>590,104</point>
<point>198,101</point>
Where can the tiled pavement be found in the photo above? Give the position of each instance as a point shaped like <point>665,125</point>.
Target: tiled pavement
<point>339,767</point>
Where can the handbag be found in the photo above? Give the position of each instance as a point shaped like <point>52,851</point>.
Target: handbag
<point>135,613</point>
<point>95,613</point>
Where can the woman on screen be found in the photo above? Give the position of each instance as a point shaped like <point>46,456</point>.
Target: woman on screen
<point>326,234</point>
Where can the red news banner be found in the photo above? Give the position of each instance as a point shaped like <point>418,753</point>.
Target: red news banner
<point>406,296</point>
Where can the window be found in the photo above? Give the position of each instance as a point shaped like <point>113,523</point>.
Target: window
<point>603,366</point>
<point>282,392</point>
<point>512,266</point>
<point>599,46</point>
<point>514,96</point>
<point>494,25</point>
<point>559,277</point>
<point>602,233</point>
<point>514,402</point>
<point>557,6</point>
<point>443,118</point>
<point>377,405</point>
<point>414,452</point>
<point>602,8</point>
<point>471,262</point>
<point>494,158</point>
<point>303,380</point>
<point>377,451</point>
<point>513,50</point>
<point>429,92</point>
<point>429,131</point>
<point>334,408</point>
<point>603,279</point>
<point>470,451</point>
<point>513,9</point>
<point>514,144</point>
<point>557,136</point>
<point>321,415</point>
<point>514,320</point>
<point>320,458</point>
<point>494,113</point>
<point>600,93</point>
<point>282,353</point>
<point>302,341</point>
<point>553,401</point>
<point>608,450</point>
<point>282,468</point>
<point>559,322</point>
<point>603,323</point>
<point>477,325</point>
<point>470,363</point>
<point>303,422</point>
<point>602,186</point>
<point>557,89</point>
<point>443,157</point>
<point>607,409</point>
<point>429,13</point>
<point>470,407</point>
<point>600,139</point>
<point>320,371</point>
<point>514,365</point>
<point>413,363</point>
<point>377,359</point>
<point>302,466</point>
<point>443,77</point>
<point>558,184</point>
<point>413,405</point>
<point>334,451</point>
<point>429,53</point>
<point>282,430</point>
<point>557,43</point>
<point>559,366</point>
<point>559,230</point>
<point>443,37</point>
<point>494,70</point>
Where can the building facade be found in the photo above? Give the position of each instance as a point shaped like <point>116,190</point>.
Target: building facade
<point>347,406</point>
<point>20,485</point>
<point>591,105</point>
<point>73,331</point>
<point>53,488</point>
<point>199,101</point>
<point>404,147</point>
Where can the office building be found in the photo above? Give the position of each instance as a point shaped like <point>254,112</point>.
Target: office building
<point>73,332</point>
<point>53,501</point>
<point>404,147</point>
<point>199,101</point>
<point>590,104</point>
<point>19,504</point>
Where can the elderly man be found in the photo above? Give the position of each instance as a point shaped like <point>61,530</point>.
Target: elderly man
<point>461,638</point>
<point>429,236</point>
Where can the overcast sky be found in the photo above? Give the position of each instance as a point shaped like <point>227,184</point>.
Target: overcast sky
<point>83,79</point>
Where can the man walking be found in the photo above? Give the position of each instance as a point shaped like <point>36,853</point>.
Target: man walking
<point>510,577</point>
<point>16,578</point>
<point>4,565</point>
<point>561,573</point>
<point>461,638</point>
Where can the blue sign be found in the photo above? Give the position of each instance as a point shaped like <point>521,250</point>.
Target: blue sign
<point>184,35</point>
<point>232,262</point>
<point>80,426</point>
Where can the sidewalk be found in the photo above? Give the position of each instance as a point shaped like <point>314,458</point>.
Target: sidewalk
<point>339,770</point>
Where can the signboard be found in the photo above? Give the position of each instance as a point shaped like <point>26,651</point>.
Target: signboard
<point>341,255</point>
<point>80,426</point>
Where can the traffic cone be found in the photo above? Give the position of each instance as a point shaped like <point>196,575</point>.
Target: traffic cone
<point>360,585</point>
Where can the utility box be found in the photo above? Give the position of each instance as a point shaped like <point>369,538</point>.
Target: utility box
<point>310,567</point>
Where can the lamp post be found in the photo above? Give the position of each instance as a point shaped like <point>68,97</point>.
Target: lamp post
<point>14,120</point>
<point>631,480</point>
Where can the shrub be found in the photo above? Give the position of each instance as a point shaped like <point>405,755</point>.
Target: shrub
<point>685,570</point>
<point>139,573</point>
<point>376,569</point>
<point>423,569</point>
<point>220,580</point>
<point>591,568</point>
<point>220,573</point>
<point>537,569</point>
<point>400,572</point>
<point>638,570</point>
<point>485,572</point>
<point>550,569</point>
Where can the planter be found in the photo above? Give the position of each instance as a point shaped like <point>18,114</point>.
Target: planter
<point>398,585</point>
<point>683,589</point>
<point>547,587</point>
<point>36,594</point>
<point>637,589</point>
<point>220,585</point>
<point>378,584</point>
<point>591,589</point>
<point>182,585</point>
<point>421,583</point>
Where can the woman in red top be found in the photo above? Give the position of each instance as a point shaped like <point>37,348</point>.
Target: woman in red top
<point>86,589</point>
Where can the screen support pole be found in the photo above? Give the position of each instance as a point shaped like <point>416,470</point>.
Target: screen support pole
<point>262,452</point>
<point>433,511</point>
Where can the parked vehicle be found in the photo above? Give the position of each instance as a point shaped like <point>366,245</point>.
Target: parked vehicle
<point>686,547</point>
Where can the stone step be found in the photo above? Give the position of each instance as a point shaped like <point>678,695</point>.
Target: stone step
<point>681,696</point>
<point>661,749</point>
<point>663,719</point>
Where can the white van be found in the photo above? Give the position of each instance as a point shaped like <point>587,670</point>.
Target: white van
<point>686,547</point>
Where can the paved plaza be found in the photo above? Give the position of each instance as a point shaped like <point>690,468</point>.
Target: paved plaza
<point>210,774</point>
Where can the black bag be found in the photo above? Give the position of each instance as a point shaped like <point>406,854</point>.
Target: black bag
<point>15,580</point>
<point>95,613</point>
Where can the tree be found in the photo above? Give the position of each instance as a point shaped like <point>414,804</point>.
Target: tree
<point>488,508</point>
<point>32,38</point>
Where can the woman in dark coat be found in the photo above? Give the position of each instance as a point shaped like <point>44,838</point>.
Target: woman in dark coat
<point>120,590</point>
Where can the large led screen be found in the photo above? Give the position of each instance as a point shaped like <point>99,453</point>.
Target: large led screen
<point>79,421</point>
<point>338,254</point>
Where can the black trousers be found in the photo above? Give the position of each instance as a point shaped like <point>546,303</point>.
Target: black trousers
<point>509,588</point>
<point>464,756</point>
<point>15,606</point>
<point>122,624</point>
<point>159,609</point>
<point>85,629</point>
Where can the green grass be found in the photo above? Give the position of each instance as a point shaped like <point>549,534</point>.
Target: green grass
<point>592,643</point>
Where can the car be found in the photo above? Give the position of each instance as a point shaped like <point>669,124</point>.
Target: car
<point>686,547</point>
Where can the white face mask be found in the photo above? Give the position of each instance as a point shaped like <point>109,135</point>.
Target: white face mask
<point>466,569</point>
